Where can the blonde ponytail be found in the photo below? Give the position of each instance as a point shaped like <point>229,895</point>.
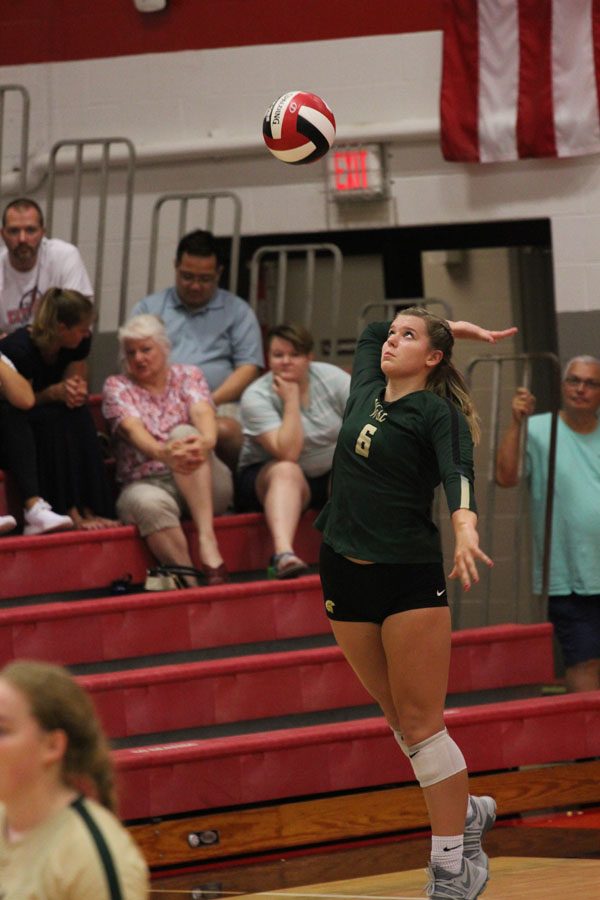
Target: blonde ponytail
<point>447,382</point>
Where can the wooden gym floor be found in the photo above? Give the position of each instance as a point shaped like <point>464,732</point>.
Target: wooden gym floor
<point>542,858</point>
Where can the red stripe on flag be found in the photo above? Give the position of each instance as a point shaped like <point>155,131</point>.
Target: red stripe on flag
<point>460,80</point>
<point>535,113</point>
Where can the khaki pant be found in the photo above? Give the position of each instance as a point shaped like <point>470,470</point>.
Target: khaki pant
<point>155,502</point>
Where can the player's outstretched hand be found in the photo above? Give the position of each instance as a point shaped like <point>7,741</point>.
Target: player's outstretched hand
<point>467,551</point>
<point>465,566</point>
<point>472,332</point>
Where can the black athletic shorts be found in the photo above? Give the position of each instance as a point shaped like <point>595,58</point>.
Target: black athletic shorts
<point>357,593</point>
<point>245,489</point>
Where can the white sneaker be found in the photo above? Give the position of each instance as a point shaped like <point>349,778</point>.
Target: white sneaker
<point>41,519</point>
<point>7,523</point>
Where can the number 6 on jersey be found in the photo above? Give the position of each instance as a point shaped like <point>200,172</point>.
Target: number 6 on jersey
<point>363,441</point>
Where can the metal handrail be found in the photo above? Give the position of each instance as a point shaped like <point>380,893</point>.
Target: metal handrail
<point>282,253</point>
<point>183,199</point>
<point>498,362</point>
<point>390,308</point>
<point>24,143</point>
<point>79,145</point>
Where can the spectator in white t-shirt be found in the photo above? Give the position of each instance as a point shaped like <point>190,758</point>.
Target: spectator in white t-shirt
<point>30,263</point>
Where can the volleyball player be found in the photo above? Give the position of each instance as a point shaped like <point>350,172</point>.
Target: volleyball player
<point>409,425</point>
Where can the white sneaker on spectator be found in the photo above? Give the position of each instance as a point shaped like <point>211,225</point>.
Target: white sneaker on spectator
<point>7,523</point>
<point>41,519</point>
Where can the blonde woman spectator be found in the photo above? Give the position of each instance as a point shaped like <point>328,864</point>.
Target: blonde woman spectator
<point>53,449</point>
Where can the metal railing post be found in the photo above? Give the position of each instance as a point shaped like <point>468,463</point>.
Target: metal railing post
<point>80,163</point>
<point>390,307</point>
<point>498,362</point>
<point>282,253</point>
<point>24,136</point>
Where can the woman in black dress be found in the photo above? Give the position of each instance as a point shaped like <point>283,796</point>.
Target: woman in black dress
<point>53,449</point>
<point>16,391</point>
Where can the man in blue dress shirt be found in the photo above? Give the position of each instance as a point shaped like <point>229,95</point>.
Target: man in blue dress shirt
<point>211,328</point>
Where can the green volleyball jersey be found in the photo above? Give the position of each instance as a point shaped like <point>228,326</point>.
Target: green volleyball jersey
<point>388,461</point>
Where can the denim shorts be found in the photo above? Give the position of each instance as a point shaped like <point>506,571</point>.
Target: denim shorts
<point>576,621</point>
<point>357,593</point>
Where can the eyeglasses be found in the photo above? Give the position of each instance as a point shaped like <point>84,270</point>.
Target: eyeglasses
<point>574,381</point>
<point>190,278</point>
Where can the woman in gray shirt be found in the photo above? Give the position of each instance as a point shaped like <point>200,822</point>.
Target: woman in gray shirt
<point>291,418</point>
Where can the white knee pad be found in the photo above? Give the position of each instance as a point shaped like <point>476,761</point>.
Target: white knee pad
<point>435,759</point>
<point>401,742</point>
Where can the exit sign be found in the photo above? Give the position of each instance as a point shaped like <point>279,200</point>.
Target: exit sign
<point>355,172</point>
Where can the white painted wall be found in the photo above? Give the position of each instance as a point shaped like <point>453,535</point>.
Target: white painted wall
<point>195,118</point>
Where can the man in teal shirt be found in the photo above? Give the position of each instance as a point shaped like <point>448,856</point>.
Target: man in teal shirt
<point>574,588</point>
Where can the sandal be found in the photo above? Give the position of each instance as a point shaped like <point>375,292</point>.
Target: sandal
<point>286,565</point>
<point>215,574</point>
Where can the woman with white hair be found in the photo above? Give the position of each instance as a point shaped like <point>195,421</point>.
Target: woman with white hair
<point>163,422</point>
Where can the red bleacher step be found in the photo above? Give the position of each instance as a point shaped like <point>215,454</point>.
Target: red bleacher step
<point>227,772</point>
<point>221,691</point>
<point>79,560</point>
<point>228,690</point>
<point>501,656</point>
<point>111,628</point>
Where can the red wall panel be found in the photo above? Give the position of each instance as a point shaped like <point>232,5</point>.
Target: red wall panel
<point>55,30</point>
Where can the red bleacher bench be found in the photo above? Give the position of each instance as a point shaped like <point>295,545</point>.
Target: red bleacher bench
<point>244,687</point>
<point>257,768</point>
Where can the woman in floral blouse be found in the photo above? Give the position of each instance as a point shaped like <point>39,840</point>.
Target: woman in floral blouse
<point>163,423</point>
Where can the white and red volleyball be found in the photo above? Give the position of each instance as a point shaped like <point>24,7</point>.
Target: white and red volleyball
<point>299,128</point>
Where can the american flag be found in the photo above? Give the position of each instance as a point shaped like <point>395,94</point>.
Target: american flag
<point>520,79</point>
